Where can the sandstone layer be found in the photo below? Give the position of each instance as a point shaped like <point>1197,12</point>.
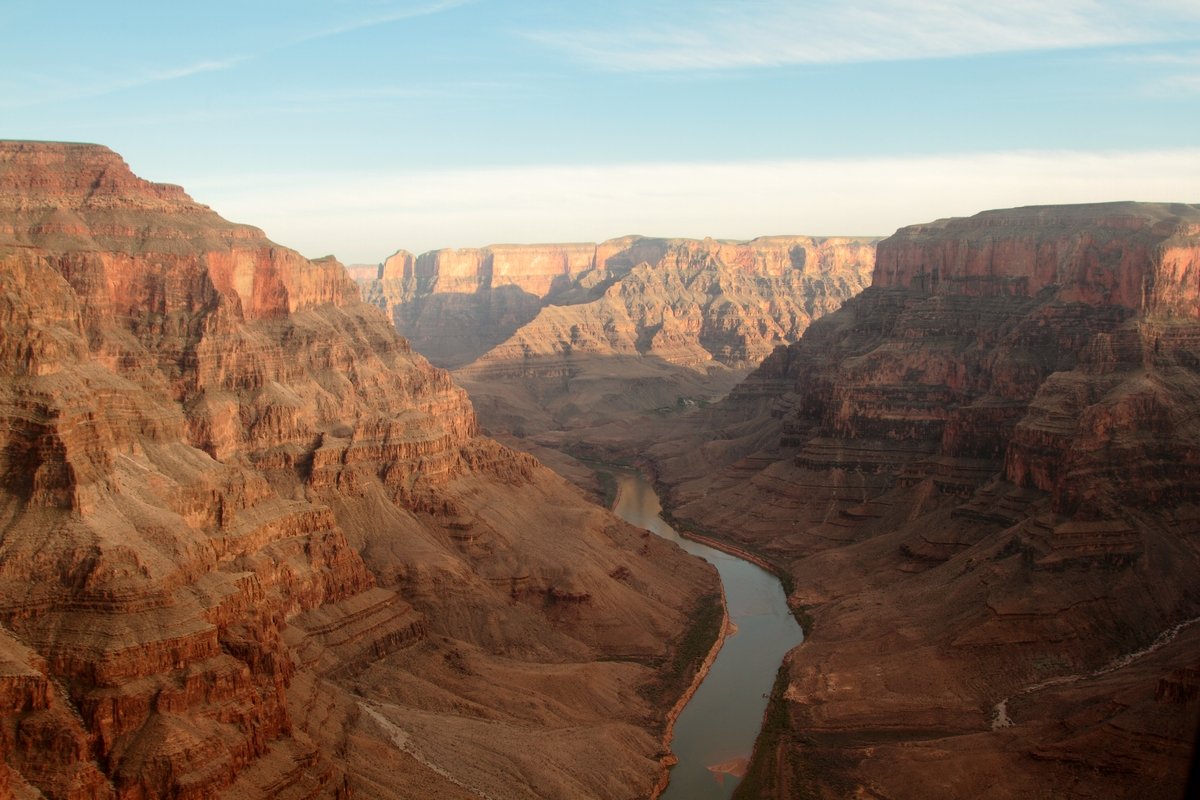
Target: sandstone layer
<point>982,476</point>
<point>251,545</point>
<point>571,337</point>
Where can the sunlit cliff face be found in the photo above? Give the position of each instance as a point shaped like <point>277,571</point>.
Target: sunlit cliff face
<point>234,500</point>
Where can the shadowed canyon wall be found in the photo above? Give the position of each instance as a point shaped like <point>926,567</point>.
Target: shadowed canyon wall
<point>982,476</point>
<point>251,545</point>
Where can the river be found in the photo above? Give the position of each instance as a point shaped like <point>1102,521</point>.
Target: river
<point>722,720</point>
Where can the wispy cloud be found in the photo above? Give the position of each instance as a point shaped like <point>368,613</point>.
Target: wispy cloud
<point>719,34</point>
<point>184,71</point>
<point>40,89</point>
<point>63,90</point>
<point>365,216</point>
<point>1188,84</point>
<point>1171,59</point>
<point>1178,73</point>
<point>371,21</point>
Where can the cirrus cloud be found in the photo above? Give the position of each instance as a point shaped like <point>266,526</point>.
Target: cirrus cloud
<point>671,36</point>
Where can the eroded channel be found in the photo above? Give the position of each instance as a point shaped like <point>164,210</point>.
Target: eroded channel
<point>715,733</point>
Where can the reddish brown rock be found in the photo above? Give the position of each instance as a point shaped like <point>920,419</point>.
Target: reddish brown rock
<point>557,343</point>
<point>1140,256</point>
<point>229,493</point>
<point>982,476</point>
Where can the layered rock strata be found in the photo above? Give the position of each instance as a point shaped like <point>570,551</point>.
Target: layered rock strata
<point>568,337</point>
<point>252,546</point>
<point>983,476</point>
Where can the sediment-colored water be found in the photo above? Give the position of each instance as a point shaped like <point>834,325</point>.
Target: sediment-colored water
<point>718,726</point>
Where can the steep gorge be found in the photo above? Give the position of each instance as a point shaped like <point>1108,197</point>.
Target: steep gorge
<point>252,545</point>
<point>982,476</point>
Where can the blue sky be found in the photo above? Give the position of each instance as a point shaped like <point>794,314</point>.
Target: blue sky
<point>356,127</point>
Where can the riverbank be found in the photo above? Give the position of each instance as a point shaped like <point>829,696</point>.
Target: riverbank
<point>669,759</point>
<point>775,718</point>
<point>684,529</point>
<point>716,719</point>
<point>687,529</point>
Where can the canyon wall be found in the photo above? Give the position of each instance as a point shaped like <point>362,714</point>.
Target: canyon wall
<point>251,545</point>
<point>556,342</point>
<point>981,476</point>
<point>741,298</point>
<point>1137,255</point>
<point>455,305</point>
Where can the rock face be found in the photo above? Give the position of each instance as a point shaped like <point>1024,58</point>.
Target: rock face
<point>251,545</point>
<point>983,476</point>
<point>1138,256</point>
<point>362,273</point>
<point>564,337</point>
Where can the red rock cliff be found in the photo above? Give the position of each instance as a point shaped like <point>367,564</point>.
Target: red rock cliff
<point>982,475</point>
<point>1138,255</point>
<point>228,490</point>
<point>556,338</point>
<point>456,305</point>
<point>530,268</point>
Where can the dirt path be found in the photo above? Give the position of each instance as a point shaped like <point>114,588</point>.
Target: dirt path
<point>1000,717</point>
<point>403,741</point>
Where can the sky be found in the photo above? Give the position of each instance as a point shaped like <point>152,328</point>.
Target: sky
<point>359,127</point>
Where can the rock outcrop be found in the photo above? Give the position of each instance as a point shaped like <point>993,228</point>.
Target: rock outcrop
<point>566,337</point>
<point>251,545</point>
<point>983,476</point>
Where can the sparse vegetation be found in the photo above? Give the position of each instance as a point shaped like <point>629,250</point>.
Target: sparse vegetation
<point>689,652</point>
<point>803,618</point>
<point>809,771</point>
<point>682,404</point>
<point>1051,665</point>
<point>608,487</point>
<point>762,776</point>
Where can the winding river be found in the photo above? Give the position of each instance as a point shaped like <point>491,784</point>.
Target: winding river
<point>721,721</point>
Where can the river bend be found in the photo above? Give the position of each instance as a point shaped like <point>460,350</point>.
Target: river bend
<point>718,726</point>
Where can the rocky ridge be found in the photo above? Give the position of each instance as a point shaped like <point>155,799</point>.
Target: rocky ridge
<point>252,545</point>
<point>982,476</point>
<point>566,337</point>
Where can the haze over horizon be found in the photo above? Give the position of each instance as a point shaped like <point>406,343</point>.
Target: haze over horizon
<point>355,128</point>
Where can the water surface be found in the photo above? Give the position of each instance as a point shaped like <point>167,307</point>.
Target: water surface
<point>722,720</point>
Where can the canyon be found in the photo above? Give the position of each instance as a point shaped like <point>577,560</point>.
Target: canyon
<point>253,545</point>
<point>556,342</point>
<point>981,478</point>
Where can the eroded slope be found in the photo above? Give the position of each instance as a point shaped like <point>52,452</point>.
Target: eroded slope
<point>983,476</point>
<point>252,545</point>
